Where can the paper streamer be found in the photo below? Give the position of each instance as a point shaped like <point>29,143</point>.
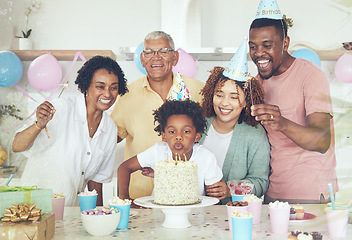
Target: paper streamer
<point>205,66</point>
<point>24,92</point>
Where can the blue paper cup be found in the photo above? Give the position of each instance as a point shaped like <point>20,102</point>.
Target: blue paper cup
<point>125,215</point>
<point>242,228</point>
<point>237,198</point>
<point>87,202</point>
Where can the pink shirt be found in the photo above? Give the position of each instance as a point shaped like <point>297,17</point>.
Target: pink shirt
<point>297,173</point>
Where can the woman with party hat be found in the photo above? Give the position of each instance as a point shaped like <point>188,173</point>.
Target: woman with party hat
<point>238,141</point>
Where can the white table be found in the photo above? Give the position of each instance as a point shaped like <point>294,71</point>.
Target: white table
<point>207,223</point>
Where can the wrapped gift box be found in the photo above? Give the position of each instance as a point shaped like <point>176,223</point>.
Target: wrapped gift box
<point>44,229</point>
<point>16,195</point>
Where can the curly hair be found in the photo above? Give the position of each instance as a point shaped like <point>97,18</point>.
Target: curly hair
<point>85,74</point>
<point>216,80</point>
<point>186,107</point>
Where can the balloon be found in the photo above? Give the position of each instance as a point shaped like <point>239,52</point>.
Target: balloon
<point>11,69</point>
<point>45,72</point>
<point>137,59</point>
<point>307,54</point>
<point>185,65</point>
<point>343,68</point>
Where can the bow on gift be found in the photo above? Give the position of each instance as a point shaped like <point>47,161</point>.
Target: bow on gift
<point>22,212</point>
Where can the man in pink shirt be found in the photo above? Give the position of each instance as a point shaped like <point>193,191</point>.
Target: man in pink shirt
<point>297,115</point>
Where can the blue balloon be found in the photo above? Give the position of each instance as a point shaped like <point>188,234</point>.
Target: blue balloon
<point>307,54</point>
<point>137,59</point>
<point>11,69</point>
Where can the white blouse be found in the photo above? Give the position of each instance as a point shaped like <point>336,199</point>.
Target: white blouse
<point>69,159</point>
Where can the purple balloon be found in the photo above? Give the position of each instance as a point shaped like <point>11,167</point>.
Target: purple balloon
<point>45,72</point>
<point>185,65</point>
<point>343,68</point>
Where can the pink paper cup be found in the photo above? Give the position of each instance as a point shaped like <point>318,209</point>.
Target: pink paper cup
<point>279,219</point>
<point>337,221</point>
<point>58,206</point>
<point>230,210</point>
<point>255,207</point>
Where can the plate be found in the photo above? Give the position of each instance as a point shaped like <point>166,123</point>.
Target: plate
<point>306,217</point>
<point>148,202</point>
<point>176,216</point>
<point>198,201</point>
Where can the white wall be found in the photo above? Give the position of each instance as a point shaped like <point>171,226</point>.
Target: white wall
<point>323,23</point>
<point>111,24</point>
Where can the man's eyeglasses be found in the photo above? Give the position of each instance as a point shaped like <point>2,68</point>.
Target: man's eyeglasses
<point>163,52</point>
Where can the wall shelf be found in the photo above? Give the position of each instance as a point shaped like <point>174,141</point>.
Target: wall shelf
<point>127,53</point>
<point>62,55</point>
<point>225,54</point>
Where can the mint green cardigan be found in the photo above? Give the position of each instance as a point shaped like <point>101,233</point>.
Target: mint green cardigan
<point>247,158</point>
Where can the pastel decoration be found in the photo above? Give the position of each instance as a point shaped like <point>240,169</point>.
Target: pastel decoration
<point>343,68</point>
<point>268,9</point>
<point>179,91</point>
<point>77,55</point>
<point>307,54</point>
<point>137,59</point>
<point>237,69</point>
<point>186,65</point>
<point>45,72</point>
<point>11,69</point>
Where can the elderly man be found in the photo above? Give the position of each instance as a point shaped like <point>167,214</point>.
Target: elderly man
<point>133,112</point>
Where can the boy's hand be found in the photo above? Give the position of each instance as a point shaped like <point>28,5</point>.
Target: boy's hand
<point>148,172</point>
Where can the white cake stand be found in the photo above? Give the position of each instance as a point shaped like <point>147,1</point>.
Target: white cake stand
<point>175,216</point>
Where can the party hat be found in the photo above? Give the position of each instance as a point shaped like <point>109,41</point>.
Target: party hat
<point>179,90</point>
<point>268,9</point>
<point>238,67</point>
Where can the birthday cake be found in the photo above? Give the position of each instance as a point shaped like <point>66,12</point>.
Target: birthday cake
<point>176,182</point>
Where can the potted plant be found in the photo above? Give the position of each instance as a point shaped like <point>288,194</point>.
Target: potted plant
<point>24,42</point>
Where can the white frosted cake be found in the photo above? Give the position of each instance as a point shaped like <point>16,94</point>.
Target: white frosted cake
<point>175,183</point>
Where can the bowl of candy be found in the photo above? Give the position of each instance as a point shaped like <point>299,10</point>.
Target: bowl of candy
<point>100,221</point>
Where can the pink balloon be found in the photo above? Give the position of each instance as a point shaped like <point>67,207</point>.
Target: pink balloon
<point>186,64</point>
<point>343,68</point>
<point>45,72</point>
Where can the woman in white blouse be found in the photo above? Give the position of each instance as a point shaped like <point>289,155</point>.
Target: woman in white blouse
<point>72,143</point>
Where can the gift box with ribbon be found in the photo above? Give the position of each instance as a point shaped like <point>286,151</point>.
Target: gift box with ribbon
<point>16,195</point>
<point>43,229</point>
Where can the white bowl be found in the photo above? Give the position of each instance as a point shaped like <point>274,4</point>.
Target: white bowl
<point>100,225</point>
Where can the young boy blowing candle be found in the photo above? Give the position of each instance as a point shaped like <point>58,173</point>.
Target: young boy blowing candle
<point>181,124</point>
